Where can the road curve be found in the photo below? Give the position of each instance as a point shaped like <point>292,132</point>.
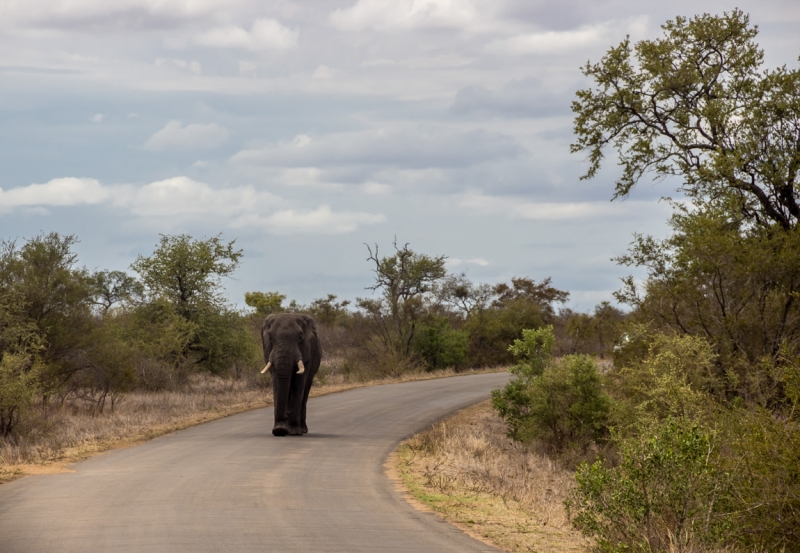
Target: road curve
<point>230,486</point>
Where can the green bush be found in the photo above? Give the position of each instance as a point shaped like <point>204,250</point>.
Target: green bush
<point>764,461</point>
<point>513,401</point>
<point>562,403</point>
<point>19,384</point>
<point>440,345</point>
<point>675,378</point>
<point>492,329</point>
<point>667,494</point>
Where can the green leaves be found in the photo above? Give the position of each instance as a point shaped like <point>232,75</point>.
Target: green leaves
<point>265,303</point>
<point>560,402</point>
<point>533,352</point>
<point>19,384</point>
<point>182,280</point>
<point>439,344</point>
<point>404,280</point>
<point>668,492</point>
<point>694,104</point>
<point>187,271</point>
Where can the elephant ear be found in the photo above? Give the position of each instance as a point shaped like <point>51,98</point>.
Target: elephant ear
<point>265,342</point>
<point>309,335</point>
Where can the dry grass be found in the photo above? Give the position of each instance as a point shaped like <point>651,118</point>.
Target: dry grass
<point>58,437</point>
<point>73,432</point>
<point>468,471</point>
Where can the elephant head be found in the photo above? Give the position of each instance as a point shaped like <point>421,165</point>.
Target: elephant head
<point>292,354</point>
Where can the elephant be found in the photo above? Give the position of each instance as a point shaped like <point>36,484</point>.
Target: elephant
<point>292,353</point>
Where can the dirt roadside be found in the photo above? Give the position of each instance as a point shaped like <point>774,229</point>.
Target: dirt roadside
<point>140,420</point>
<point>467,471</point>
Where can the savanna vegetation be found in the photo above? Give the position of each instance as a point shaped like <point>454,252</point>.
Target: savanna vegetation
<point>690,441</point>
<point>85,354</point>
<point>678,416</point>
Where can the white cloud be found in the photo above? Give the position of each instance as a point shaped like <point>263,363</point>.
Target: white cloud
<point>120,13</point>
<point>174,136</point>
<point>265,34</point>
<point>323,72</point>
<point>319,221</point>
<point>192,66</point>
<point>551,211</point>
<point>412,147</point>
<point>408,14</point>
<point>376,188</point>
<point>455,261</point>
<point>57,192</point>
<point>97,118</point>
<point>181,198</point>
<point>548,42</point>
<point>247,66</point>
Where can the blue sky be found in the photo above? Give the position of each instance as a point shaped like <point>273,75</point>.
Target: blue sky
<point>306,129</point>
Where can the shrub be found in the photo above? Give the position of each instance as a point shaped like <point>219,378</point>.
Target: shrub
<point>19,384</point>
<point>440,345</point>
<point>674,379</point>
<point>667,494</point>
<point>764,459</point>
<point>492,329</point>
<point>560,402</point>
<point>512,402</point>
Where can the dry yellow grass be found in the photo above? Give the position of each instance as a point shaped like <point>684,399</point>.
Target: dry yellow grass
<point>66,435</point>
<point>466,469</point>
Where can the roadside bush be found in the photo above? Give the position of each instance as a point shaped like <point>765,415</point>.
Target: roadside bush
<point>764,460</point>
<point>107,369</point>
<point>159,332</point>
<point>668,493</point>
<point>491,330</point>
<point>675,378</point>
<point>513,402</point>
<point>561,403</point>
<point>439,345</point>
<point>19,385</point>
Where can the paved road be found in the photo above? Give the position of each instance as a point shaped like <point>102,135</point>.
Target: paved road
<point>230,486</point>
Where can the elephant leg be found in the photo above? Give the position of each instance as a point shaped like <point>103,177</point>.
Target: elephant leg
<point>296,406</point>
<point>281,426</point>
<point>306,391</point>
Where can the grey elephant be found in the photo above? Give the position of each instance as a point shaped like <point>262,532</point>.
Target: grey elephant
<point>292,353</point>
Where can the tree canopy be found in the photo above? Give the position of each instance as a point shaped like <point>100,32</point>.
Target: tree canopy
<point>403,280</point>
<point>696,104</point>
<point>187,271</point>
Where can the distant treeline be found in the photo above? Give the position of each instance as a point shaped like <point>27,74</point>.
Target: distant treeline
<point>71,335</point>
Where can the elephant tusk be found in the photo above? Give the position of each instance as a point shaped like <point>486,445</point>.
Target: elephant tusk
<point>265,369</point>
<point>301,368</point>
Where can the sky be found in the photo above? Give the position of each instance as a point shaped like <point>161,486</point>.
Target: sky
<point>305,130</point>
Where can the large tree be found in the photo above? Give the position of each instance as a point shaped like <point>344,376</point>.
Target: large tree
<point>697,105</point>
<point>403,279</point>
<point>186,300</point>
<point>52,293</point>
<point>188,272</point>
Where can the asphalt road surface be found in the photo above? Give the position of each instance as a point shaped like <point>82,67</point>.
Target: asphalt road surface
<point>230,486</point>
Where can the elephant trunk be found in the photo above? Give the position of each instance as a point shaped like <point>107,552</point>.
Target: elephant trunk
<point>284,364</point>
<point>281,384</point>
